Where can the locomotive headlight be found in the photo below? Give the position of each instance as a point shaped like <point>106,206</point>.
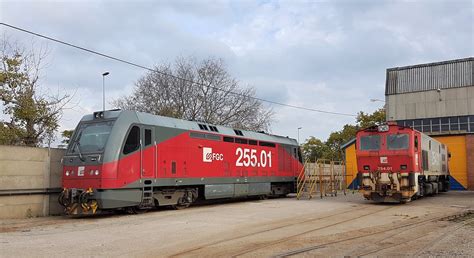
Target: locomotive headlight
<point>403,167</point>
<point>383,128</point>
<point>96,172</point>
<point>366,167</point>
<point>67,173</point>
<point>98,115</point>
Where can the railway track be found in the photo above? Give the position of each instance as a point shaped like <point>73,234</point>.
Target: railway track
<point>418,237</point>
<point>293,223</point>
<point>401,228</point>
<point>272,243</point>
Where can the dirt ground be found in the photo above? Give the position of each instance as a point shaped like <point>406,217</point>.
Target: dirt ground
<point>336,226</point>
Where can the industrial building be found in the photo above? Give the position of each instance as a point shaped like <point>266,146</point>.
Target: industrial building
<point>436,99</point>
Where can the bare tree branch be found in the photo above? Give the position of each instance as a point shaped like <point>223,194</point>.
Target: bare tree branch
<point>209,99</point>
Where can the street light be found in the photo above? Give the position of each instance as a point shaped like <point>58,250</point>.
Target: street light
<point>299,128</point>
<point>103,90</point>
<point>374,100</point>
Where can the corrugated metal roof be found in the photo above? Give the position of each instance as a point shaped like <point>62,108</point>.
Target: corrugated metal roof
<point>431,76</point>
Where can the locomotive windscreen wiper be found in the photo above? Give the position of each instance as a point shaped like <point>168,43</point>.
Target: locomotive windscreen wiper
<point>78,145</point>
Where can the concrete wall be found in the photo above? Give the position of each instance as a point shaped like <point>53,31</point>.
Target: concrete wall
<point>29,168</point>
<point>427,104</point>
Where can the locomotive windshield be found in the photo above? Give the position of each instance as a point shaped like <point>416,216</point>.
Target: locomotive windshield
<point>370,142</point>
<point>397,141</point>
<point>91,137</point>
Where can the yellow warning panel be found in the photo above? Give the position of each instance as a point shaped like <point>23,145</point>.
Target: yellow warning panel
<point>351,164</point>
<point>457,163</point>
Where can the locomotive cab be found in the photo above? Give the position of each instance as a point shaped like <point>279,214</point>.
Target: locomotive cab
<point>84,169</point>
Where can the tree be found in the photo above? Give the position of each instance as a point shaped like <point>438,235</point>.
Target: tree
<point>365,120</point>
<point>332,148</point>
<point>67,134</point>
<point>339,138</point>
<point>314,149</point>
<point>32,117</point>
<point>204,95</point>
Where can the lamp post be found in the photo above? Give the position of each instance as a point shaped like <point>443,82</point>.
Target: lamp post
<point>379,100</point>
<point>374,100</point>
<point>299,128</point>
<point>103,90</point>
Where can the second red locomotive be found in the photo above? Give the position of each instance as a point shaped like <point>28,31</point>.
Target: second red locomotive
<point>132,160</point>
<point>398,164</point>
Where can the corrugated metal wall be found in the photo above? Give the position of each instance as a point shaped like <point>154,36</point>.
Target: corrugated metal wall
<point>442,75</point>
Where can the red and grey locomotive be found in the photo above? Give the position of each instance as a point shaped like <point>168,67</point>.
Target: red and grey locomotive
<point>398,164</point>
<point>132,160</point>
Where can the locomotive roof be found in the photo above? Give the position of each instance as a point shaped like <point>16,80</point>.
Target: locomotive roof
<point>156,120</point>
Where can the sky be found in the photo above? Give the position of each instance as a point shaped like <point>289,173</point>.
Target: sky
<point>327,55</point>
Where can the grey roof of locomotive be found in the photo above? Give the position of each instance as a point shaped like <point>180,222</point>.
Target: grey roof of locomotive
<point>155,120</point>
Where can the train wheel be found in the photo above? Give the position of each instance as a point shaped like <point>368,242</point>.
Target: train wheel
<point>428,189</point>
<point>421,190</point>
<point>183,203</point>
<point>435,188</point>
<point>440,187</point>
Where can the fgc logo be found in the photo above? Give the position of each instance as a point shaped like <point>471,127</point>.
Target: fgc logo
<point>209,156</point>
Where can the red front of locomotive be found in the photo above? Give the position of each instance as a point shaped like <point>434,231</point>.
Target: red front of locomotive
<point>388,158</point>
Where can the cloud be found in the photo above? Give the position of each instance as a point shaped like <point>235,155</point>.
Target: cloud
<point>325,55</point>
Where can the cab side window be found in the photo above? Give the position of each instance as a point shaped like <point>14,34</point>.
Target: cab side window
<point>133,141</point>
<point>416,143</point>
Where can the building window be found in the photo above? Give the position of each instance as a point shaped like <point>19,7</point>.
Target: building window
<point>471,123</point>
<point>453,124</point>
<point>435,125</point>
<point>426,125</point>
<point>417,125</point>
<point>463,123</point>
<point>456,124</point>
<point>445,124</point>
